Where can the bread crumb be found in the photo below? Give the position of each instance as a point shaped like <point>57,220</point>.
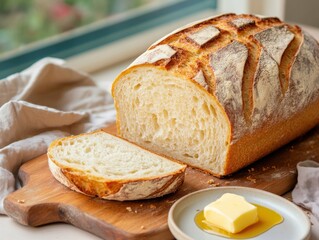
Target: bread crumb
<point>152,206</point>
<point>21,201</point>
<point>273,166</point>
<point>141,205</point>
<point>129,209</point>
<point>215,184</point>
<point>171,201</point>
<point>265,168</point>
<point>135,211</point>
<point>251,170</point>
<point>226,183</point>
<point>253,180</point>
<point>211,181</point>
<point>142,227</point>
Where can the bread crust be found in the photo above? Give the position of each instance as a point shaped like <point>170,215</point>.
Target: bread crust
<point>120,190</point>
<point>271,136</point>
<point>279,95</point>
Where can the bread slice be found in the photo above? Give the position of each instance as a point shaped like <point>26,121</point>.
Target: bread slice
<point>100,164</point>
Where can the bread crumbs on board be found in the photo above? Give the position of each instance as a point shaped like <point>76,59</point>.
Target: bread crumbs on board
<point>215,184</point>
<point>211,181</point>
<point>171,201</point>
<point>251,179</point>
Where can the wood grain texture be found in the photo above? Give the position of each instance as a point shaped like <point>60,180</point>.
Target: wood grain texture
<point>43,200</point>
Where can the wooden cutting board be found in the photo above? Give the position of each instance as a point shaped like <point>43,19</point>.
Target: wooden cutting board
<point>43,200</point>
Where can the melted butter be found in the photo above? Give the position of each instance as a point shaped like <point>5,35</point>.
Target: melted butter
<point>267,219</point>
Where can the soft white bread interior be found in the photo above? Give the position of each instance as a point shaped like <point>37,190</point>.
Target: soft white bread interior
<point>221,93</point>
<point>175,117</point>
<point>100,164</point>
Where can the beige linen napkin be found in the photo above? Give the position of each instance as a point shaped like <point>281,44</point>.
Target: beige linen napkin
<point>42,103</point>
<point>306,192</point>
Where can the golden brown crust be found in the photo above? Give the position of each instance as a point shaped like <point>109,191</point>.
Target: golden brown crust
<point>270,137</point>
<point>107,189</point>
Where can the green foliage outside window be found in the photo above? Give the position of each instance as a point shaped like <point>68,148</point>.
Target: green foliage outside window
<point>27,21</point>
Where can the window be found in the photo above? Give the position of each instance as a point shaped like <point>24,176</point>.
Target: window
<point>31,30</point>
<point>24,22</point>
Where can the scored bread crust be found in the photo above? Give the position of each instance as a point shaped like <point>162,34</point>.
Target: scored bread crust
<point>120,190</point>
<point>262,73</point>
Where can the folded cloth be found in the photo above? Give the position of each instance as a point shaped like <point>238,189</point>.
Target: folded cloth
<point>306,192</point>
<point>42,103</point>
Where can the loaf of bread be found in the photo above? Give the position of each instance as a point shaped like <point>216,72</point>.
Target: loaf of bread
<point>221,93</point>
<point>100,164</point>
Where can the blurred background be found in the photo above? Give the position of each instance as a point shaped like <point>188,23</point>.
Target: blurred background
<point>32,29</point>
<point>26,21</point>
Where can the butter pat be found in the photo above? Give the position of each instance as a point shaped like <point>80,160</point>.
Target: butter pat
<point>231,212</point>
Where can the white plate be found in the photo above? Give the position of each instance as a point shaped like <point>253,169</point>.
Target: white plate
<point>296,225</point>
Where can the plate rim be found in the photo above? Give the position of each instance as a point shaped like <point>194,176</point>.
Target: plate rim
<point>172,223</point>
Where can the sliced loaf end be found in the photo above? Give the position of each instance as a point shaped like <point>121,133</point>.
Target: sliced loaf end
<point>100,164</point>
<point>173,116</point>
